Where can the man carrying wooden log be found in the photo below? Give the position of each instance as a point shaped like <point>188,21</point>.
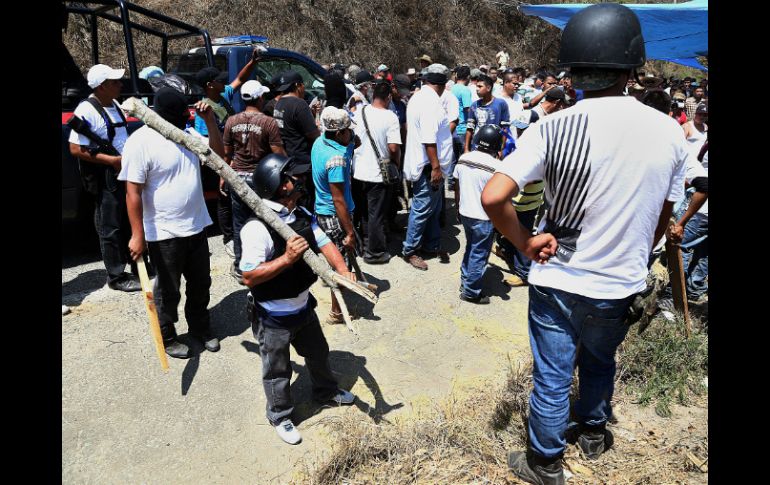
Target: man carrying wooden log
<point>281,307</point>
<point>166,209</point>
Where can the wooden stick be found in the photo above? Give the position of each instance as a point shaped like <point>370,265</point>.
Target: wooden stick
<point>676,276</point>
<point>138,109</point>
<point>344,310</point>
<point>152,312</point>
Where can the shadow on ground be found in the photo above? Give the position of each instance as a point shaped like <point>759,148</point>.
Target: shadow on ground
<point>361,307</point>
<point>348,368</point>
<point>228,319</point>
<point>76,290</point>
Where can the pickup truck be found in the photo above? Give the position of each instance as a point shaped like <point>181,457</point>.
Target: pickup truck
<point>229,54</point>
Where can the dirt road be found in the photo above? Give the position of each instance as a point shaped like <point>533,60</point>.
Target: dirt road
<point>125,421</point>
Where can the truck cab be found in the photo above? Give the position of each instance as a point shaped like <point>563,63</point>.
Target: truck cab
<point>233,52</point>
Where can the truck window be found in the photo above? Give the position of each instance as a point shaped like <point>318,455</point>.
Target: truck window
<point>269,67</point>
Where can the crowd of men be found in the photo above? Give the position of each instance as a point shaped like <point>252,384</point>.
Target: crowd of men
<point>574,182</point>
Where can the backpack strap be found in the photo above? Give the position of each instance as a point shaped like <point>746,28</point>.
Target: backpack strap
<point>111,125</point>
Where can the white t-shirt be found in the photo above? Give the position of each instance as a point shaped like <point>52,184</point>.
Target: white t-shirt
<point>515,106</point>
<point>257,247</point>
<point>358,104</point>
<point>384,128</point>
<point>88,113</point>
<point>426,122</point>
<point>609,164</point>
<point>451,105</point>
<point>474,91</point>
<point>172,197</point>
<point>694,169</point>
<point>472,181</point>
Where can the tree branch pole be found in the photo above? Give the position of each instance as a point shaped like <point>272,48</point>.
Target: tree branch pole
<point>138,109</point>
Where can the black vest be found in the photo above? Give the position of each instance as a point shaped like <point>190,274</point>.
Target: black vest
<point>299,277</point>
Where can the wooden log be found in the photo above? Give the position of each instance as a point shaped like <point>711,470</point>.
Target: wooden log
<point>135,107</point>
<point>676,277</point>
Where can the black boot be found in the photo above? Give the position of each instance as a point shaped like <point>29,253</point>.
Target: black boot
<point>177,349</point>
<point>535,469</point>
<point>594,440</point>
<point>210,342</point>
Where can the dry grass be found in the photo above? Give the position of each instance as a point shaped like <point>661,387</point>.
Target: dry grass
<point>465,438</point>
<point>462,440</point>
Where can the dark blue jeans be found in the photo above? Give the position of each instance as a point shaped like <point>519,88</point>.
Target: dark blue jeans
<point>565,330</point>
<point>695,255</point>
<point>521,263</point>
<point>241,214</point>
<point>424,230</point>
<point>478,244</point>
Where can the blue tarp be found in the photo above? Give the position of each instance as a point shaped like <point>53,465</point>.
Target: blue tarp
<point>675,32</point>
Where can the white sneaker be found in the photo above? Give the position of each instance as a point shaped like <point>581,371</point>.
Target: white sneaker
<point>288,432</point>
<point>344,397</point>
<point>230,248</point>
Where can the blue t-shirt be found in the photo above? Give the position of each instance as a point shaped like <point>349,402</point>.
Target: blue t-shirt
<point>494,113</point>
<point>331,164</point>
<point>200,125</point>
<point>463,94</point>
<point>399,108</point>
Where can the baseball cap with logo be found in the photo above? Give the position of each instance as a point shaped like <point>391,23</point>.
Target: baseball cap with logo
<point>702,108</point>
<point>286,79</point>
<point>524,118</point>
<point>100,73</point>
<point>252,90</point>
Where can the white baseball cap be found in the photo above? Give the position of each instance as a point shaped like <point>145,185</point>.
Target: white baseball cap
<point>252,90</point>
<point>411,71</point>
<point>100,73</point>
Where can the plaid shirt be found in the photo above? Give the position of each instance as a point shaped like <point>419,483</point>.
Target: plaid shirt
<point>690,105</point>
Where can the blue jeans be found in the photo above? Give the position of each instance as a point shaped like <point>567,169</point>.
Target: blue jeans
<point>423,230</point>
<point>565,330</point>
<point>478,244</point>
<point>695,255</point>
<point>517,261</point>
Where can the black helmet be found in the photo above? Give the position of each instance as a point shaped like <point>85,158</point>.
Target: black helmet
<point>489,139</point>
<point>269,174</point>
<point>598,43</point>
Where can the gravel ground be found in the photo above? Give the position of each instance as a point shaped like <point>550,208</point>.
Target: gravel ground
<point>125,421</point>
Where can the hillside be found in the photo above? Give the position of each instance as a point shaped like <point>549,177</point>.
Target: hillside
<point>346,31</point>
